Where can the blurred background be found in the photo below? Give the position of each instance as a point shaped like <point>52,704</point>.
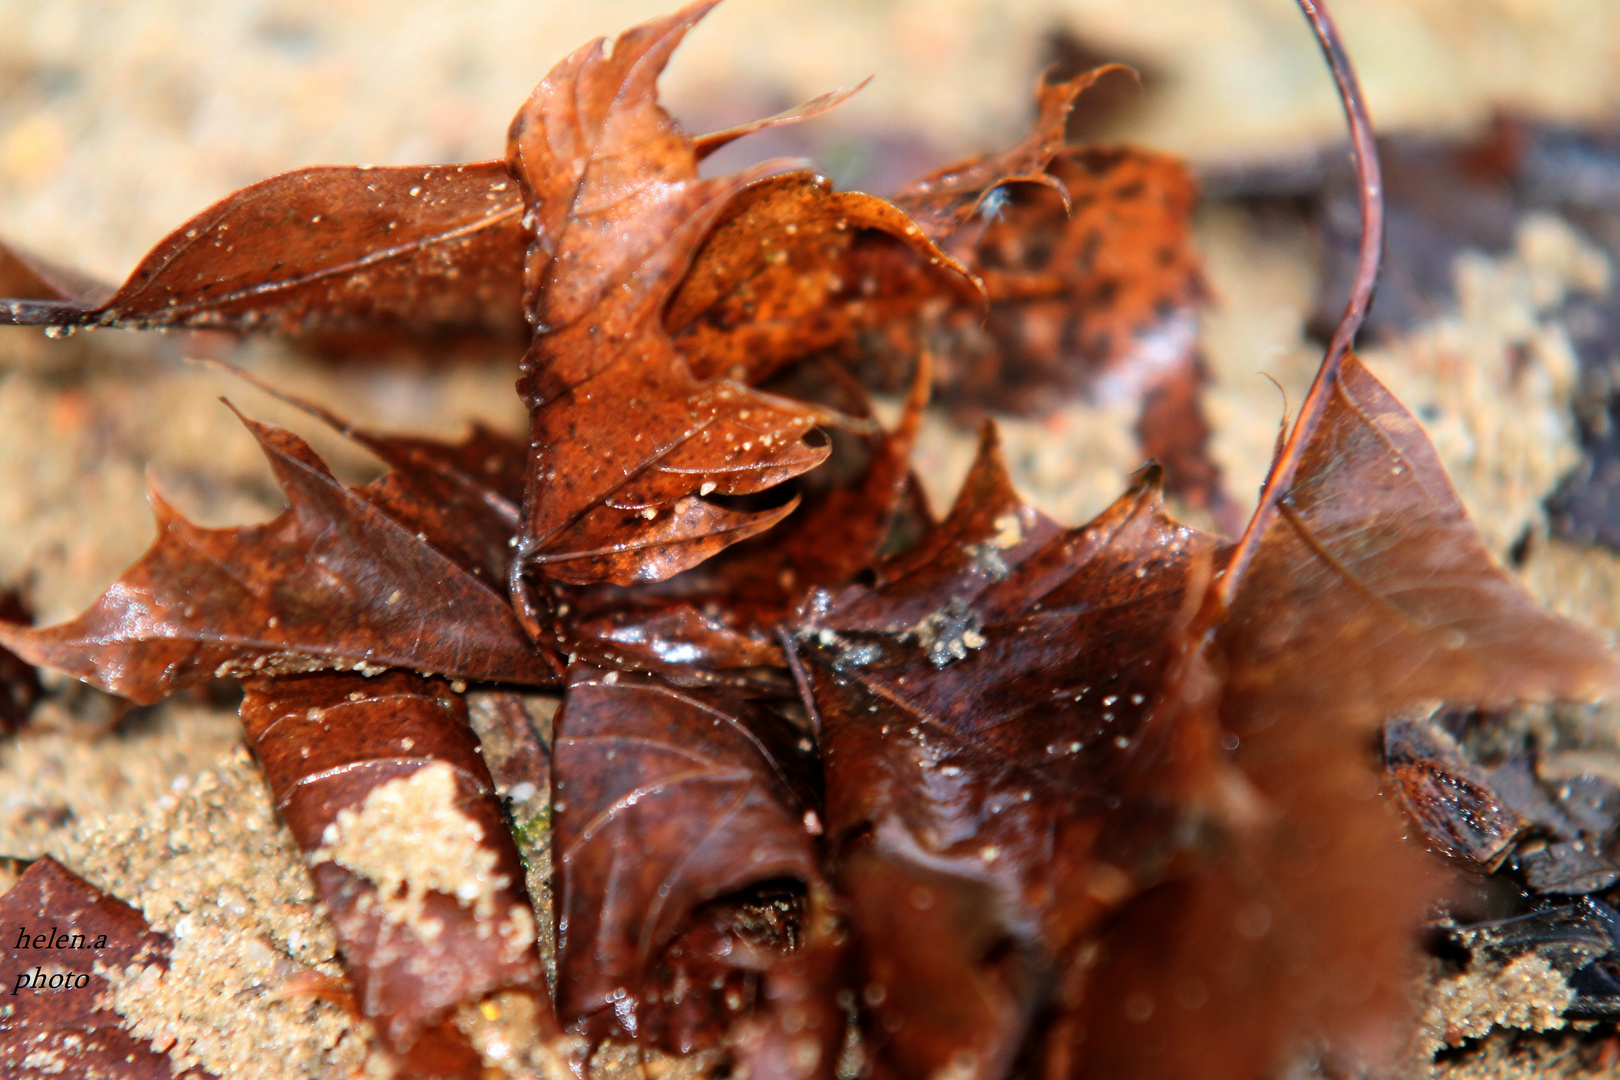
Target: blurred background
<point>121,118</point>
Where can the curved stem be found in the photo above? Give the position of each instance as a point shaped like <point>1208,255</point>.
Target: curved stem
<point>1370,193</point>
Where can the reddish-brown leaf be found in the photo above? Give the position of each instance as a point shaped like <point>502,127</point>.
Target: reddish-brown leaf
<point>1369,592</point>
<point>1097,295</point>
<point>792,267</point>
<point>626,443</point>
<point>704,145</point>
<point>719,622</point>
<point>333,582</point>
<point>669,806</point>
<point>1094,287</point>
<point>57,924</point>
<point>943,201</point>
<point>989,530</point>
<point>419,250</point>
<point>463,498</point>
<point>415,252</point>
<point>381,782</point>
<point>984,711</point>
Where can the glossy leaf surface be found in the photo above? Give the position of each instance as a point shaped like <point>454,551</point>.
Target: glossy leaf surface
<point>984,710</point>
<point>431,250</point>
<point>626,443</point>
<point>431,910</point>
<point>334,582</point>
<point>665,802</point>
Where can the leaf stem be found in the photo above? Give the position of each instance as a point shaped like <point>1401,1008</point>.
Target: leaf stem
<point>1370,194</point>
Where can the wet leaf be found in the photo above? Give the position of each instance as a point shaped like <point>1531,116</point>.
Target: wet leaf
<point>627,443</point>
<point>1453,803</point>
<point>1369,593</point>
<point>463,498</point>
<point>982,709</point>
<point>333,582</point>
<point>422,251</point>
<point>720,622</point>
<point>792,267</point>
<point>52,1032</point>
<point>671,809</point>
<point>381,783</point>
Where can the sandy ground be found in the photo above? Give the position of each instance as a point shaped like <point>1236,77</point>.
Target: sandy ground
<point>119,120</point>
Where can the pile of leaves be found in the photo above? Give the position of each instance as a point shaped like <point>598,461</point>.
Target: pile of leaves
<point>836,787</point>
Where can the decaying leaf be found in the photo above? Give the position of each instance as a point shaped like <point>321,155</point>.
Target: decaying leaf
<point>944,201</point>
<point>463,498</point>
<point>1369,593</point>
<point>63,934</point>
<point>1097,801</point>
<point>1093,292</point>
<point>627,444</point>
<point>381,783</point>
<point>413,250</point>
<point>673,808</point>
<point>334,582</point>
<point>792,267</point>
<point>719,622</point>
<point>976,733</point>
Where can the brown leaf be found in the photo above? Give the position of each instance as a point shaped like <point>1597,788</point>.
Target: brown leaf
<point>59,925</point>
<point>333,582</point>
<point>418,250</point>
<point>1094,290</point>
<point>669,806</point>
<point>381,783</point>
<point>463,498</point>
<point>719,623</point>
<point>1370,592</point>
<point>792,267</point>
<point>1100,293</point>
<point>1446,797</point>
<point>984,711</point>
<point>626,442</point>
<point>943,201</point>
<point>989,530</point>
<point>1371,525</point>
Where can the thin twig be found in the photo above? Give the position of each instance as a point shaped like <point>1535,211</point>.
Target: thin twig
<point>801,678</point>
<point>1370,192</point>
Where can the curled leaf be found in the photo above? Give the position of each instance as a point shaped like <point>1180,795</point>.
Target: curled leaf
<point>792,267</point>
<point>381,783</point>
<point>626,443</point>
<point>670,805</point>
